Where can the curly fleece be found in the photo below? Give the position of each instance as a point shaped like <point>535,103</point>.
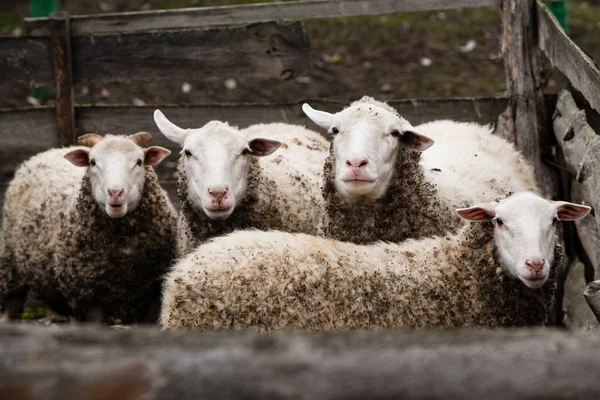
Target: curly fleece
<point>275,280</point>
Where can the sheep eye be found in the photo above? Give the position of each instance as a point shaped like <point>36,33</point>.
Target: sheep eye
<point>187,153</point>
<point>555,221</point>
<point>245,152</point>
<point>93,163</point>
<point>335,131</point>
<point>139,162</point>
<point>499,222</point>
<point>395,133</point>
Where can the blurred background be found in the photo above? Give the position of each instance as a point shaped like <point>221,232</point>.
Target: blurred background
<point>408,55</point>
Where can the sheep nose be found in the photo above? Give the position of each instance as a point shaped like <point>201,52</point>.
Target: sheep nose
<point>357,164</point>
<point>535,265</point>
<point>218,193</point>
<point>115,193</point>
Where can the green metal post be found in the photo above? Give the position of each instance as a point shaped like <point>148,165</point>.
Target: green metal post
<point>42,8</point>
<point>560,10</point>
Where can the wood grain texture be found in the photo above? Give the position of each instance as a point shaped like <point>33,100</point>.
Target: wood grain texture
<point>577,313</point>
<point>63,77</point>
<point>581,148</point>
<point>280,50</point>
<point>76,362</point>
<point>564,54</point>
<point>246,14</point>
<point>25,62</point>
<point>524,121</point>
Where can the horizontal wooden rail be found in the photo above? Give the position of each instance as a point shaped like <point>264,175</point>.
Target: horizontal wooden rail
<point>280,50</point>
<point>244,14</point>
<point>567,57</point>
<point>84,363</point>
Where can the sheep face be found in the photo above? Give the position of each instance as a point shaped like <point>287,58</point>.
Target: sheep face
<point>216,163</point>
<point>524,232</point>
<point>116,169</point>
<point>366,141</point>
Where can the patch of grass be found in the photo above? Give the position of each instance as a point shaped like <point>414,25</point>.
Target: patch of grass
<point>34,313</point>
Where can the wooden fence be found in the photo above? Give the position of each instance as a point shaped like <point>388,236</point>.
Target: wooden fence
<point>269,41</point>
<point>263,40</point>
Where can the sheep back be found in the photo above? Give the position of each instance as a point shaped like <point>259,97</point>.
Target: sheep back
<point>273,280</point>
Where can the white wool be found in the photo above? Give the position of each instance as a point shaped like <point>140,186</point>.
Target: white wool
<point>469,164</point>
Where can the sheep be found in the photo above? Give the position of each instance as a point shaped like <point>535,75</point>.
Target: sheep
<point>494,274</point>
<point>377,186</point>
<point>89,229</point>
<point>224,183</point>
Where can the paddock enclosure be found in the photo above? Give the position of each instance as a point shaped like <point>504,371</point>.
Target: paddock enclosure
<point>557,134</point>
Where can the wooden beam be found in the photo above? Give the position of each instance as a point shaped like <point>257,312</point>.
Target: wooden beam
<point>564,55</point>
<point>94,362</point>
<point>524,121</point>
<point>280,50</point>
<point>245,14</point>
<point>581,146</point>
<point>25,62</point>
<point>63,77</point>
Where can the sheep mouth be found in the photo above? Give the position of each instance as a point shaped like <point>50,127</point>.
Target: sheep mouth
<point>115,206</point>
<point>217,213</point>
<point>534,282</point>
<point>359,182</point>
<point>219,208</point>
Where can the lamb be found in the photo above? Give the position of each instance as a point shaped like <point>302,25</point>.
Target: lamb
<point>494,274</point>
<point>224,183</point>
<point>377,186</point>
<point>89,229</point>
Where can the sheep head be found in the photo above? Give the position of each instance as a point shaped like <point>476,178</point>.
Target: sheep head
<point>216,162</point>
<point>525,232</point>
<point>116,168</point>
<point>367,136</point>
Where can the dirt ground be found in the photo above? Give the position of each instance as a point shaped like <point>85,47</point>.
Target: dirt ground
<point>408,55</point>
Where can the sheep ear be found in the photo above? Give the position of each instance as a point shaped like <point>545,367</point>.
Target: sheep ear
<point>155,154</point>
<point>79,157</point>
<point>479,212</point>
<point>415,141</point>
<point>263,147</point>
<point>169,129</point>
<point>570,211</point>
<point>321,118</point>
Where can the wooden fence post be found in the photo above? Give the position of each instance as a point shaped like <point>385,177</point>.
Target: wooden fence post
<point>524,122</point>
<point>63,77</point>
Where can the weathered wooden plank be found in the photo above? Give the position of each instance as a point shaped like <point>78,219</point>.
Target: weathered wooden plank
<point>280,50</point>
<point>589,235</point>
<point>564,54</point>
<point>63,77</point>
<point>74,362</point>
<point>581,148</point>
<point>25,62</point>
<point>20,128</point>
<point>128,119</point>
<point>524,121</point>
<point>577,313</point>
<point>245,14</point>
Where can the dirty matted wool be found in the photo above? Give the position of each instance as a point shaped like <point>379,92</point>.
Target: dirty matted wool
<point>411,207</point>
<point>116,263</point>
<point>274,280</point>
